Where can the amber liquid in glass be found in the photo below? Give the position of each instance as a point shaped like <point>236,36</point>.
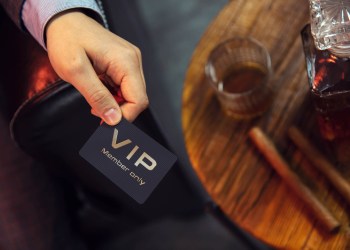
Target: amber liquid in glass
<point>249,80</point>
<point>243,78</point>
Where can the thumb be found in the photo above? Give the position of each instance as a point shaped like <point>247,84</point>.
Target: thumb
<point>96,94</point>
<point>103,103</point>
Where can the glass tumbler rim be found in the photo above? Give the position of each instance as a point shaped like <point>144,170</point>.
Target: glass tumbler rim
<point>219,46</point>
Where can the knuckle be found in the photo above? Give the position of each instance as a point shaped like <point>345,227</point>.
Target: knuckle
<point>133,52</point>
<point>75,66</point>
<point>137,51</point>
<point>144,103</point>
<point>97,97</point>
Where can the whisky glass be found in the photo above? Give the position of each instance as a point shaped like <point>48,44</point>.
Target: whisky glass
<point>239,70</point>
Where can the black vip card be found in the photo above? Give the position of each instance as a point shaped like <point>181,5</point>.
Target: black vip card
<point>129,158</point>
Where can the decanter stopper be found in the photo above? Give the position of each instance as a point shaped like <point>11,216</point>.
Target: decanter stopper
<point>330,25</point>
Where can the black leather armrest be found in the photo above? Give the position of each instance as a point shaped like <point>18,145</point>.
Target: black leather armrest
<point>51,120</point>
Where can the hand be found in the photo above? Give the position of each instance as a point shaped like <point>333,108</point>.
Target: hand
<point>80,50</point>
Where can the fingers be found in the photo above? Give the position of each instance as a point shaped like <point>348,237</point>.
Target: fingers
<point>122,64</point>
<point>84,78</point>
<point>80,49</point>
<point>133,90</point>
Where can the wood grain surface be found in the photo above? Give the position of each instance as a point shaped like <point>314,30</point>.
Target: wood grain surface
<point>234,173</point>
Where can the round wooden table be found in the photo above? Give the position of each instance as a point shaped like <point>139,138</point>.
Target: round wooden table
<point>230,168</point>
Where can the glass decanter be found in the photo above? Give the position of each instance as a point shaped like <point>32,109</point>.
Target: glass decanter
<point>327,50</point>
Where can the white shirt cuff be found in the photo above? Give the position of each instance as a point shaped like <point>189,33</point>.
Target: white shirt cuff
<point>37,13</point>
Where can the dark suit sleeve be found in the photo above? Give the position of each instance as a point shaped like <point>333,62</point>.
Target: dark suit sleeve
<point>13,9</point>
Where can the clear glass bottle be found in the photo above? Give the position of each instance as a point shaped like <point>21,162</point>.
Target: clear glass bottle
<point>327,50</point>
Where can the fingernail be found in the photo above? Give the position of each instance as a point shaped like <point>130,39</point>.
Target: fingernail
<point>112,116</point>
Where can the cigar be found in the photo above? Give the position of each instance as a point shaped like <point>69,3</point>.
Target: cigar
<point>268,149</point>
<point>320,163</point>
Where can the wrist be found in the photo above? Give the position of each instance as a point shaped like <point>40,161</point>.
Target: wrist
<point>36,14</point>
